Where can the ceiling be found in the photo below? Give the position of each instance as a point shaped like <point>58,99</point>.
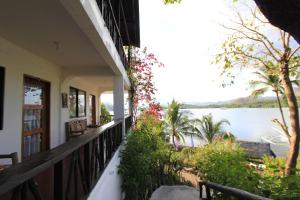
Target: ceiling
<point>46,29</point>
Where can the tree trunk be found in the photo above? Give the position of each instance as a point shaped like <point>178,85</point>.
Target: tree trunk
<point>283,125</point>
<point>280,109</point>
<point>173,140</point>
<point>293,152</point>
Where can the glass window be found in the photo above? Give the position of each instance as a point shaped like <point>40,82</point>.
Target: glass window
<point>77,103</point>
<point>33,94</point>
<point>81,103</point>
<point>72,97</point>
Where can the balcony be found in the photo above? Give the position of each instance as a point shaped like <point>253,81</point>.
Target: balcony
<point>114,27</point>
<point>107,12</point>
<point>69,171</point>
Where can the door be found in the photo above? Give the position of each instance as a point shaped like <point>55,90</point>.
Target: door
<point>35,133</point>
<point>92,109</point>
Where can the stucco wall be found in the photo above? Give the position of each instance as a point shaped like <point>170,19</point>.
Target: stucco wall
<point>19,62</point>
<point>109,185</point>
<point>82,85</point>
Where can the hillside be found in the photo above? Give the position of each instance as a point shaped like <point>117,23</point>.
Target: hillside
<point>264,102</point>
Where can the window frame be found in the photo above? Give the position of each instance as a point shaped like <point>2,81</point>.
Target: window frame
<point>77,91</point>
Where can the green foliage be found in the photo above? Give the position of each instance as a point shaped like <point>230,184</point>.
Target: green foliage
<point>146,161</point>
<point>277,186</point>
<point>105,115</point>
<point>177,123</point>
<point>225,163</point>
<point>150,124</point>
<point>171,1</point>
<point>210,129</point>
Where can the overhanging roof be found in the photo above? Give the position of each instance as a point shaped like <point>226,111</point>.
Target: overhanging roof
<point>283,14</point>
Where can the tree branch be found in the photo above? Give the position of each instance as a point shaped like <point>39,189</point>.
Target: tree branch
<point>242,23</point>
<point>293,52</point>
<point>284,128</point>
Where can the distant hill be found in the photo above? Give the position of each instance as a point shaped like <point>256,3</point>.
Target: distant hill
<point>262,102</point>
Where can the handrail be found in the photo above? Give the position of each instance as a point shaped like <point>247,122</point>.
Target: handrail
<point>102,4</point>
<point>228,191</point>
<point>22,172</point>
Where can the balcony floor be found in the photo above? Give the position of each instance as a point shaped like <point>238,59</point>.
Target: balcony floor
<point>177,192</point>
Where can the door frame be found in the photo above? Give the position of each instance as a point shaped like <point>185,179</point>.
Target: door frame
<point>45,143</point>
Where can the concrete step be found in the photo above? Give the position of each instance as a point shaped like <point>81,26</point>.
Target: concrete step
<point>176,192</point>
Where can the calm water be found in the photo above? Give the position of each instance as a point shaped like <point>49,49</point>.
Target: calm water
<point>245,123</point>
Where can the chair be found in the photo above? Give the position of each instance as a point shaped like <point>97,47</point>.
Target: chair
<point>12,156</point>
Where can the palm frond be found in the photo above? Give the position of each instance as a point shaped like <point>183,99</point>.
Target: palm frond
<point>258,92</point>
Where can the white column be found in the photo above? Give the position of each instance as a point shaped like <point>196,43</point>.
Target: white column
<point>118,96</point>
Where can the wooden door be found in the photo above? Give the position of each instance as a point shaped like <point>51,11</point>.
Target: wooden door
<point>92,109</point>
<point>36,123</point>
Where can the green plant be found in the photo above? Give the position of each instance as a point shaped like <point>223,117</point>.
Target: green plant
<point>105,116</point>
<point>210,129</point>
<point>147,162</point>
<point>225,163</point>
<point>177,123</point>
<point>274,184</point>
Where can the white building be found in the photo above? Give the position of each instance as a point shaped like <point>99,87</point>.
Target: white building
<point>56,58</point>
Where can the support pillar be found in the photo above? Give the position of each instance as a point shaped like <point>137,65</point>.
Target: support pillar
<point>118,96</point>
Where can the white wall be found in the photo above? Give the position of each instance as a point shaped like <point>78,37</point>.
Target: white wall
<point>82,85</point>
<point>109,185</point>
<point>19,62</point>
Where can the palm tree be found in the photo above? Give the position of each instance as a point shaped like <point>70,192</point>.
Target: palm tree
<point>177,123</point>
<point>271,81</point>
<point>209,129</point>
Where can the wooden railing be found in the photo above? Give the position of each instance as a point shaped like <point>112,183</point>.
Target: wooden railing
<point>68,171</point>
<point>107,12</point>
<point>226,191</point>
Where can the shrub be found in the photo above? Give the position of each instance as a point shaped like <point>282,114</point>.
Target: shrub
<point>145,161</point>
<point>225,163</point>
<point>105,115</point>
<point>275,185</point>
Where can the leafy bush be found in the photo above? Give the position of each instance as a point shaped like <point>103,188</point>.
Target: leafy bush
<point>225,163</point>
<point>146,161</point>
<point>105,115</point>
<point>275,185</point>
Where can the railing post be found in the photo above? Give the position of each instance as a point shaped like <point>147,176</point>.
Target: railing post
<point>59,192</point>
<point>207,190</point>
<point>200,190</point>
<point>87,165</point>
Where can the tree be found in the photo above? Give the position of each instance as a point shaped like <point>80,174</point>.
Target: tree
<point>177,123</point>
<point>210,130</point>
<point>105,116</point>
<point>250,45</point>
<point>268,81</point>
<point>171,1</point>
<point>140,74</point>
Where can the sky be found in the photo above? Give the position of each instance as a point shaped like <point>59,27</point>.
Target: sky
<point>185,37</point>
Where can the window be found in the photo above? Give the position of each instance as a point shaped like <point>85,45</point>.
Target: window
<point>77,103</point>
<point>2,81</point>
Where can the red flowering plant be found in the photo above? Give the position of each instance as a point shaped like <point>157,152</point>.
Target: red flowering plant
<point>142,89</point>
